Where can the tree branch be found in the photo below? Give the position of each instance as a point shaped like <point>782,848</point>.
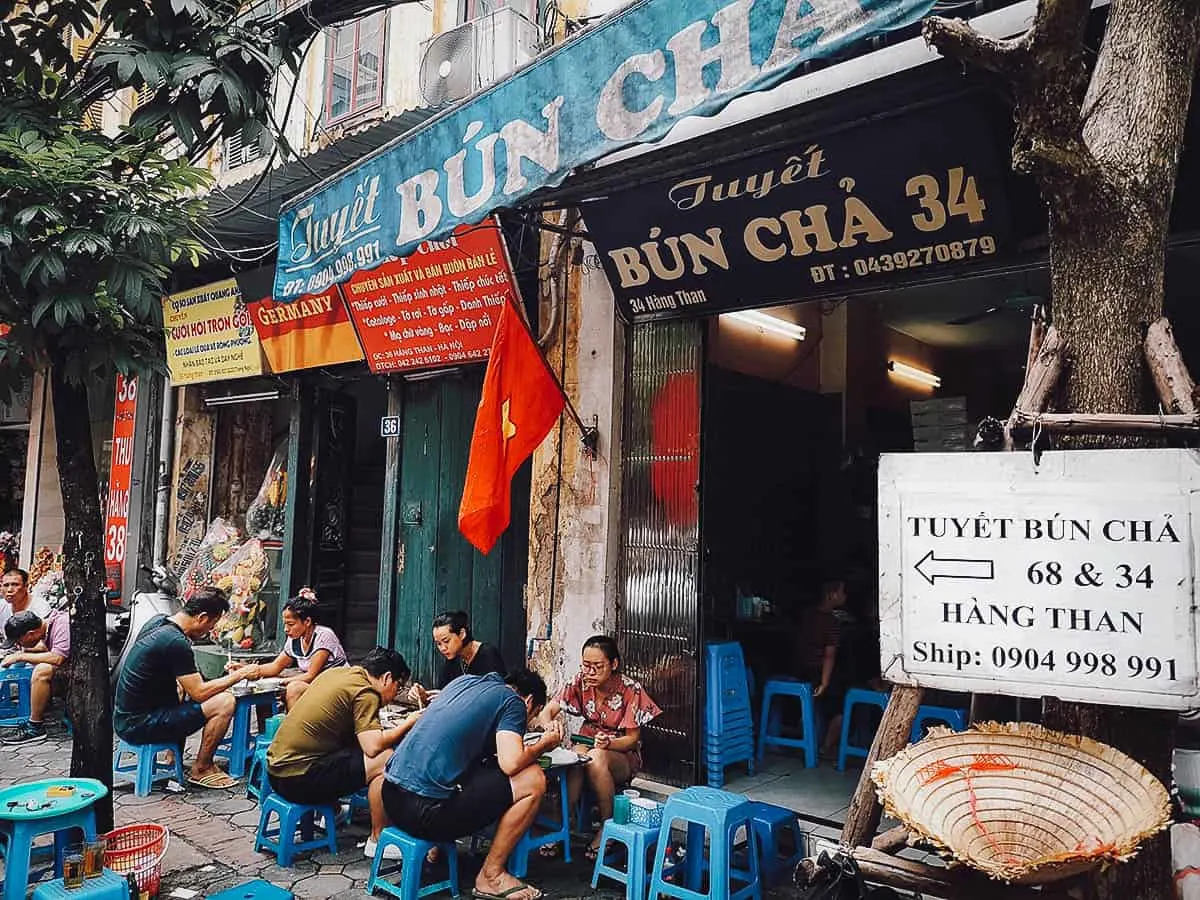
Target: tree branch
<point>1046,72</point>
<point>957,40</point>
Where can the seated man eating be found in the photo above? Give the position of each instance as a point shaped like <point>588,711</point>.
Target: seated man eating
<point>465,765</point>
<point>147,708</point>
<point>332,745</point>
<point>45,644</point>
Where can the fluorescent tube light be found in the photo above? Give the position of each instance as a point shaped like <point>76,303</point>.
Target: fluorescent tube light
<point>920,376</point>
<point>232,399</point>
<point>768,322</point>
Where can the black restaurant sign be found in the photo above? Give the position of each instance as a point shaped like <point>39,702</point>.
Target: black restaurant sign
<point>907,198</point>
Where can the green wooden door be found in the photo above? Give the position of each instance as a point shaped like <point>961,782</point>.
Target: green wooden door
<point>436,569</point>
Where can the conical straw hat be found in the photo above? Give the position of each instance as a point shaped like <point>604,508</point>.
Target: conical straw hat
<point>1022,803</point>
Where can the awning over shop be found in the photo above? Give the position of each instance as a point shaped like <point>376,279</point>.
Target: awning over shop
<point>246,213</point>
<point>654,63</point>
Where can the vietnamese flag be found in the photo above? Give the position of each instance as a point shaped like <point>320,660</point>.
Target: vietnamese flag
<point>521,402</point>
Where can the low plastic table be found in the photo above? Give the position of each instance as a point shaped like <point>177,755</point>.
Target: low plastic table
<point>238,748</point>
<point>27,812</point>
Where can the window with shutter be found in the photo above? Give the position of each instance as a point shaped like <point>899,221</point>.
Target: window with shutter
<point>93,116</point>
<point>354,67</point>
<point>238,153</point>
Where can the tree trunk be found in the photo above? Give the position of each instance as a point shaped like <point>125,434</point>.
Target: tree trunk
<point>1107,262</point>
<point>1104,148</point>
<point>89,700</point>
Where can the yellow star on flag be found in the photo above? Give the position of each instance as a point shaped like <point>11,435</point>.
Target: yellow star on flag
<point>507,429</point>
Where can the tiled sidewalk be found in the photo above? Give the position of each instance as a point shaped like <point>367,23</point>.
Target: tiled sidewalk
<point>212,839</point>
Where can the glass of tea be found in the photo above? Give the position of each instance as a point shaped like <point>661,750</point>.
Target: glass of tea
<point>93,857</point>
<point>73,866</point>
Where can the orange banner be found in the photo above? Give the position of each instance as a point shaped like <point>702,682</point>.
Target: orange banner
<point>310,331</point>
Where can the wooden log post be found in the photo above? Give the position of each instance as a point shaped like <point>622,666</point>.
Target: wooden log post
<point>862,819</point>
<point>1108,423</point>
<point>1176,389</point>
<point>951,884</point>
<point>891,840</point>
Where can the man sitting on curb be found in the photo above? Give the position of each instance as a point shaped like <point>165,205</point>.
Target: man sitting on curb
<point>465,765</point>
<point>45,644</point>
<point>147,708</point>
<point>332,745</point>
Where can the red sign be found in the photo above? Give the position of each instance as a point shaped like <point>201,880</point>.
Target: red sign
<point>310,331</point>
<point>438,307</point>
<point>120,476</point>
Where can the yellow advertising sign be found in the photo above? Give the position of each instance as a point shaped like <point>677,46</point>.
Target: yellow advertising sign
<point>210,336</point>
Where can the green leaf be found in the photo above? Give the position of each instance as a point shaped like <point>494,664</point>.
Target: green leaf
<point>39,311</point>
<point>208,86</point>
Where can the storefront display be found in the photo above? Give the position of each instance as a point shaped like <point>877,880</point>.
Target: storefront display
<point>246,564</point>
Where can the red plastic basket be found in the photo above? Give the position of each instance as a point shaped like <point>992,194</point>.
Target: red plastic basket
<point>138,849</point>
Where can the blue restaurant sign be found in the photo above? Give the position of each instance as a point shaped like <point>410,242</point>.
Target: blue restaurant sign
<point>625,81</point>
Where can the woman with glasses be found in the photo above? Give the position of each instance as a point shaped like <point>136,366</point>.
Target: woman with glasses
<point>614,709</point>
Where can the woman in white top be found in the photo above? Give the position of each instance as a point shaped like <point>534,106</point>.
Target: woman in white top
<point>311,647</point>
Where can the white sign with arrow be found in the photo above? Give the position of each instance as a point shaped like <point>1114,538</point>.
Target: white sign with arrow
<point>1073,578</point>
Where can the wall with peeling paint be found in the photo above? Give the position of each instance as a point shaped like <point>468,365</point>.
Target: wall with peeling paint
<point>571,589</point>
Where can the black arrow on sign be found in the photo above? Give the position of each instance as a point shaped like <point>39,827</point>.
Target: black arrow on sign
<point>931,568</point>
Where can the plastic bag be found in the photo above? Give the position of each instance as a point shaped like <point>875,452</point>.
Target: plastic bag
<point>219,542</point>
<point>266,515</point>
<point>242,576</point>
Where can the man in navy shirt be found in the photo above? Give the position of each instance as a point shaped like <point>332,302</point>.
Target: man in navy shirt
<point>146,705</point>
<point>465,765</point>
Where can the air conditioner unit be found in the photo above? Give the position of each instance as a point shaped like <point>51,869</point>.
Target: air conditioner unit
<point>458,62</point>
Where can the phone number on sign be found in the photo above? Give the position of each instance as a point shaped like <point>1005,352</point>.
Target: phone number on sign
<point>1030,659</point>
<point>929,255</point>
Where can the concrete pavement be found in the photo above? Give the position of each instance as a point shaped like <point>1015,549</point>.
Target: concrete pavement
<point>212,838</point>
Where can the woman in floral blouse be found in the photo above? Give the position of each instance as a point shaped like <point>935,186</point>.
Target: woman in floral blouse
<point>614,709</point>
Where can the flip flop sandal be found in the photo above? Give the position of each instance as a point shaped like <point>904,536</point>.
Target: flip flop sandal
<point>218,781</point>
<point>549,851</point>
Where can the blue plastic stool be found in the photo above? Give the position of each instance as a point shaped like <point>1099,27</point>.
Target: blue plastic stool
<point>257,785</point>
<point>808,719</point>
<point>413,852</point>
<point>555,832</point>
<point>254,890</point>
<point>945,715</point>
<point>358,801</point>
<point>18,837</point>
<point>15,680</point>
<point>239,747</point>
<point>256,780</point>
<point>106,886</point>
<point>146,768</point>
<point>728,718</point>
<point>722,815</point>
<point>638,842</point>
<point>294,817</point>
<point>770,822</point>
<point>854,697</point>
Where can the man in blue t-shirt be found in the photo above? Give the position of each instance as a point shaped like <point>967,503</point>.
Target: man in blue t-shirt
<point>465,765</point>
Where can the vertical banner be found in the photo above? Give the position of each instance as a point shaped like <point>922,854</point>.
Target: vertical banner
<point>120,478</point>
